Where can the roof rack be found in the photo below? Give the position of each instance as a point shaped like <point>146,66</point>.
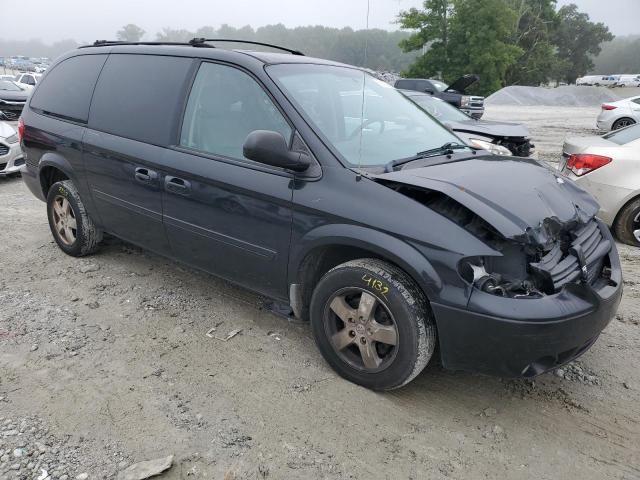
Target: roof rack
<point>201,42</point>
<point>108,43</point>
<point>194,42</point>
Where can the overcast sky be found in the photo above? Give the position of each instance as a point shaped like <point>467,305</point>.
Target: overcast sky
<point>85,20</point>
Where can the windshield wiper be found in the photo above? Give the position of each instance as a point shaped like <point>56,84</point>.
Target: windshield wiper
<point>446,149</point>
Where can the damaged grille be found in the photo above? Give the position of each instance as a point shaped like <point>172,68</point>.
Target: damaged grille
<point>579,258</point>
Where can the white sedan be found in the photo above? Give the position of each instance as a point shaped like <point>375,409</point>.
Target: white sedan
<point>608,167</point>
<point>11,158</point>
<point>620,114</point>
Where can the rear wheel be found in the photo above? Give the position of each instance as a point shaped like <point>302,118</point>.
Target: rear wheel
<point>627,226</point>
<point>72,228</point>
<point>621,123</point>
<point>372,324</point>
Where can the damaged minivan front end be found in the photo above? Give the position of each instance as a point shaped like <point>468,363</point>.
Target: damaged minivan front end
<point>553,280</point>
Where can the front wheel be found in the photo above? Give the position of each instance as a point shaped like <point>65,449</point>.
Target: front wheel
<point>372,324</point>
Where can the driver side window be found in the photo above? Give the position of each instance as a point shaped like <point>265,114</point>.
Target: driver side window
<point>224,106</point>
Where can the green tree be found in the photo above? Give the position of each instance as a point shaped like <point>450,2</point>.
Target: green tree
<point>536,22</point>
<point>618,56</point>
<point>130,33</point>
<point>170,35</point>
<point>463,36</point>
<point>430,35</point>
<point>578,40</point>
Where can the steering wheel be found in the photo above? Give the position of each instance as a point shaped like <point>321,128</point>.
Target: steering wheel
<point>371,121</point>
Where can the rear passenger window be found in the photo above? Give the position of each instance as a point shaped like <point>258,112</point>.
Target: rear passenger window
<point>66,90</point>
<point>140,97</point>
<point>225,105</point>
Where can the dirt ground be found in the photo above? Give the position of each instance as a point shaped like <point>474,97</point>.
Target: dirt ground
<point>105,362</point>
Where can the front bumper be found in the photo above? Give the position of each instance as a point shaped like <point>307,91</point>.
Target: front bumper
<point>476,113</point>
<point>526,337</point>
<point>12,160</point>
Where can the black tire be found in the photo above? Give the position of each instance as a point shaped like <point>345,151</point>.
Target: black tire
<point>86,236</point>
<point>628,221</point>
<point>621,123</point>
<point>400,302</point>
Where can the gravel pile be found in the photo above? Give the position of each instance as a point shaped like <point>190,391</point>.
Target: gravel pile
<point>577,373</point>
<point>568,96</point>
<point>389,77</point>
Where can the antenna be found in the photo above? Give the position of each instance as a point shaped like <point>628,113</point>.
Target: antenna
<point>366,37</point>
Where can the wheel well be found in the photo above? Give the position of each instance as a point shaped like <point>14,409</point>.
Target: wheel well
<point>318,262</point>
<point>624,118</point>
<point>49,176</point>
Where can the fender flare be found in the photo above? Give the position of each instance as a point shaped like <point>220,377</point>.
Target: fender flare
<point>391,248</point>
<point>58,161</point>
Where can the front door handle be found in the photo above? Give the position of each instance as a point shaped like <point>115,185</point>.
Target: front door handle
<point>177,185</point>
<point>145,175</point>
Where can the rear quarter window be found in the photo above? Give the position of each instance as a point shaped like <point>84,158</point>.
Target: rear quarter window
<point>66,90</point>
<point>140,97</point>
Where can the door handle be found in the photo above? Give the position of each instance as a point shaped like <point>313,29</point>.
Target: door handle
<point>177,185</point>
<point>145,175</point>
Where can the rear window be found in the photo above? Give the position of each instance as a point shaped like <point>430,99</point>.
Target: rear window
<point>624,135</point>
<point>66,90</point>
<point>139,97</point>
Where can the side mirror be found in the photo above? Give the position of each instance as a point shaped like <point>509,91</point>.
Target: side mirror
<point>270,148</point>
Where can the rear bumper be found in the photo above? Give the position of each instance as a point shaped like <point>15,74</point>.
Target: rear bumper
<point>32,181</point>
<point>527,337</point>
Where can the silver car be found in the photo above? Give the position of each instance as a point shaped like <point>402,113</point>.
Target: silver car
<point>11,158</point>
<point>609,168</point>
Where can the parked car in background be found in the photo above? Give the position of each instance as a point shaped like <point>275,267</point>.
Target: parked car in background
<point>455,94</point>
<point>12,100</point>
<point>500,138</point>
<point>628,81</point>
<point>30,79</point>
<point>11,158</point>
<point>609,168</point>
<point>620,114</point>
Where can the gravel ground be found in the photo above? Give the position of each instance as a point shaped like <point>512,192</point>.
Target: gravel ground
<point>105,362</point>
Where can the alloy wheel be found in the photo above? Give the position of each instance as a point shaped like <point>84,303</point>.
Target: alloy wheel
<point>636,227</point>
<point>361,329</point>
<point>64,220</point>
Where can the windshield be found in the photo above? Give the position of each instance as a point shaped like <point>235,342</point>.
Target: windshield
<point>439,85</point>
<point>10,86</point>
<point>624,135</point>
<point>366,121</point>
<point>439,108</point>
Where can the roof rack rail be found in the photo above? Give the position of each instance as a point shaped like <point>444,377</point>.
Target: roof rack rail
<point>108,43</point>
<point>201,42</point>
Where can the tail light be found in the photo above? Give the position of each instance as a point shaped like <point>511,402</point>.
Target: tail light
<point>21,129</point>
<point>582,163</point>
<point>608,107</point>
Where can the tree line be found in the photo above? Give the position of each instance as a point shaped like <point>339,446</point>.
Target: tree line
<point>506,42</point>
<point>339,44</point>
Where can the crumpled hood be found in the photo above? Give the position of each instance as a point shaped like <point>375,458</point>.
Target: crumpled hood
<point>490,128</point>
<point>519,197</point>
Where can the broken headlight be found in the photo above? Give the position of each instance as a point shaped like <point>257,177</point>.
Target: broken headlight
<point>504,276</point>
<point>492,147</point>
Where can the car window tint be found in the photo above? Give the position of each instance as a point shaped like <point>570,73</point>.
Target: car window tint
<point>66,92</point>
<point>145,109</point>
<point>624,135</point>
<point>224,106</point>
<point>636,100</point>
